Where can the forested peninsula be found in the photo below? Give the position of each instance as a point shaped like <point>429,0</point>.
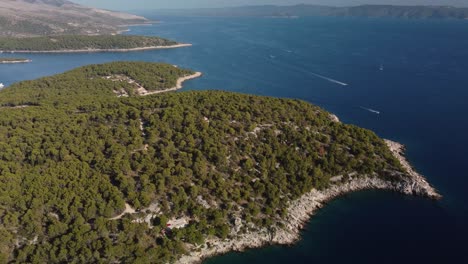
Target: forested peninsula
<point>91,171</point>
<point>84,43</point>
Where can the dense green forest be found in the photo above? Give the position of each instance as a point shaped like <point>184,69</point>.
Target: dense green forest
<point>80,42</point>
<point>72,154</point>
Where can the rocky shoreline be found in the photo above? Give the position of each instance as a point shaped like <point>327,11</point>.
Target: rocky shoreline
<point>14,61</point>
<point>182,45</point>
<point>300,211</point>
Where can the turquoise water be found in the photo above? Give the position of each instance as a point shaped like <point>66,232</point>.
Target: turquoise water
<point>413,72</point>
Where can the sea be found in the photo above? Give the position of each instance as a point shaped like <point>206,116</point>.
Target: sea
<point>407,80</point>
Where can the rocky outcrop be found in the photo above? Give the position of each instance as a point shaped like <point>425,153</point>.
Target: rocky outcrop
<point>300,211</point>
<point>415,183</point>
<point>334,118</point>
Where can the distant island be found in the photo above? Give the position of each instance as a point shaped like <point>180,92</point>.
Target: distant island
<point>304,10</point>
<point>58,26</point>
<point>13,60</point>
<point>82,43</point>
<point>93,171</point>
<point>26,18</point>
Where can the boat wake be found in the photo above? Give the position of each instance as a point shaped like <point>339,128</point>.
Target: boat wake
<point>329,79</point>
<point>303,70</point>
<point>370,110</point>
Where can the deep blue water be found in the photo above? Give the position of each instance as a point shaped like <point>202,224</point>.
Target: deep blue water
<point>421,92</point>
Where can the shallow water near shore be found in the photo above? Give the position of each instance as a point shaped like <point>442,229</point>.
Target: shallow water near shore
<point>412,72</point>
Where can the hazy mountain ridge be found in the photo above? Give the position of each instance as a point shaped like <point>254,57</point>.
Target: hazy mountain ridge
<point>414,12</point>
<point>405,11</point>
<point>55,17</point>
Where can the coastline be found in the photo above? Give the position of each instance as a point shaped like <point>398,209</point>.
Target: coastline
<point>149,23</point>
<point>15,61</point>
<point>181,45</point>
<point>125,28</point>
<point>301,210</point>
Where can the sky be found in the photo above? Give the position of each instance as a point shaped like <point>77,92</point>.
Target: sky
<point>164,4</point>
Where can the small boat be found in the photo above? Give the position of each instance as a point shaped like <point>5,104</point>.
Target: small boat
<point>381,67</point>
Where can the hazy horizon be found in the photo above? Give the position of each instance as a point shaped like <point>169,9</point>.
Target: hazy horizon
<point>178,4</point>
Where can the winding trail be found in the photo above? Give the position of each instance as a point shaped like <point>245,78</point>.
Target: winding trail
<point>143,92</point>
<point>128,210</point>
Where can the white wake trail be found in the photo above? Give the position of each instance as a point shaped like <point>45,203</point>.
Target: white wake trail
<point>370,110</point>
<point>329,79</point>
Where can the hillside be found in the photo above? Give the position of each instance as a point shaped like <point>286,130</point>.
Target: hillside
<point>410,12</point>
<point>54,17</point>
<point>90,175</point>
<point>303,10</point>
